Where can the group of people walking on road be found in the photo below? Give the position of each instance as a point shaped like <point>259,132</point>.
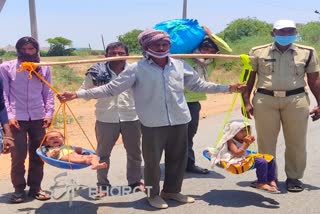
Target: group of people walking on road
<point>154,104</point>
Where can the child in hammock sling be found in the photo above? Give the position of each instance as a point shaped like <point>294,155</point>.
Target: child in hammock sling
<point>232,150</point>
<point>54,143</point>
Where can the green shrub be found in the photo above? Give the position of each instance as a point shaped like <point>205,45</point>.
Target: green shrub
<point>59,122</point>
<point>97,52</point>
<point>43,53</point>
<point>65,78</point>
<point>10,54</point>
<point>82,52</point>
<point>2,52</point>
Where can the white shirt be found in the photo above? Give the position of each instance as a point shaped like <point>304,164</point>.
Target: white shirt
<point>113,109</point>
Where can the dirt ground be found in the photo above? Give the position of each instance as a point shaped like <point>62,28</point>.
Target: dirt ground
<point>84,112</point>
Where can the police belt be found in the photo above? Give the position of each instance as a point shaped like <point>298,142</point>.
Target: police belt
<point>280,93</point>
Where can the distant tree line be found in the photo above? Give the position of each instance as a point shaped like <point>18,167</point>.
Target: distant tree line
<point>241,34</point>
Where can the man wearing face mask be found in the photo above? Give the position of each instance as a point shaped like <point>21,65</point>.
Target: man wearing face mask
<point>30,106</point>
<point>158,83</point>
<point>211,44</point>
<point>281,98</point>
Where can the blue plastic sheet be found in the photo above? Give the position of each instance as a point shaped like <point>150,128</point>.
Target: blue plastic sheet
<point>186,34</point>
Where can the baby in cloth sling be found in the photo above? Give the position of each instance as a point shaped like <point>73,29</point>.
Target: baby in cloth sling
<point>232,150</point>
<point>57,149</point>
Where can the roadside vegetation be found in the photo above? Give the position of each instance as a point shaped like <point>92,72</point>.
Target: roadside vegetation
<point>241,34</point>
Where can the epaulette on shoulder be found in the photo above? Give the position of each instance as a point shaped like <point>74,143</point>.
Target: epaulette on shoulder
<point>261,46</point>
<point>304,47</point>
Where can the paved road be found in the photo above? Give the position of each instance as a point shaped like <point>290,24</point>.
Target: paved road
<point>217,192</point>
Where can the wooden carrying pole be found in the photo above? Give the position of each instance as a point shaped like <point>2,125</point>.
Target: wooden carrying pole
<point>109,59</point>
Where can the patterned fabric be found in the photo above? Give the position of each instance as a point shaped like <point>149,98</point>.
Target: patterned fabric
<point>150,36</point>
<point>100,73</point>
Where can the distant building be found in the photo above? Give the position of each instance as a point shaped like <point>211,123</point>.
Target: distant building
<point>9,48</point>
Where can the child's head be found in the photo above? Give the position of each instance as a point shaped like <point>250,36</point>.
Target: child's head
<point>237,129</point>
<point>245,131</point>
<point>54,139</point>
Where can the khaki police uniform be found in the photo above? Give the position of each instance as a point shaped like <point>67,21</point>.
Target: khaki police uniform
<point>278,73</point>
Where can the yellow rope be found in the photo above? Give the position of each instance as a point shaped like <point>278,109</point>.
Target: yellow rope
<point>244,76</point>
<point>31,67</point>
<point>80,127</point>
<point>53,119</point>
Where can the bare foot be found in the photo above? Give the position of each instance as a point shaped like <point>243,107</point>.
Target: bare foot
<point>99,166</point>
<point>273,184</point>
<point>95,163</point>
<point>267,188</point>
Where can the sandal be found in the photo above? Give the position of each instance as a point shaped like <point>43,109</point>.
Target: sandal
<point>294,185</point>
<point>137,187</point>
<point>99,195</point>
<point>39,195</point>
<point>18,197</point>
<point>102,191</point>
<point>253,184</point>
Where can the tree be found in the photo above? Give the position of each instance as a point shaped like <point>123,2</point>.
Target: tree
<point>131,40</point>
<point>2,52</point>
<point>58,47</point>
<point>245,27</point>
<point>310,32</point>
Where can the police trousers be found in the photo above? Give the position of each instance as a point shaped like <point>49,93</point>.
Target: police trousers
<point>292,113</point>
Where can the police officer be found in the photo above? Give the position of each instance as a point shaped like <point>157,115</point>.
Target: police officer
<point>281,98</point>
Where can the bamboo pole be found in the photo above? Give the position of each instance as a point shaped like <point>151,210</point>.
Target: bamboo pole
<point>109,59</point>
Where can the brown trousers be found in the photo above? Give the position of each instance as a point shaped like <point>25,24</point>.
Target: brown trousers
<point>27,139</point>
<point>173,140</point>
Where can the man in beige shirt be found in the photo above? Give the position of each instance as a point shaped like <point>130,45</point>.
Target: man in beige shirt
<point>281,98</point>
<point>115,115</point>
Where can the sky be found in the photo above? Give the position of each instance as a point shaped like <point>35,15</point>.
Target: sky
<point>84,21</point>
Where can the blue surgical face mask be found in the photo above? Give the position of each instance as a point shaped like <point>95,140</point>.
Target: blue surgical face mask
<point>285,40</point>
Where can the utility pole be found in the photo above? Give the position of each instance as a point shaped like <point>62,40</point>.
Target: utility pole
<point>317,12</point>
<point>184,10</point>
<point>33,19</point>
<point>104,46</point>
<point>2,2</point>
